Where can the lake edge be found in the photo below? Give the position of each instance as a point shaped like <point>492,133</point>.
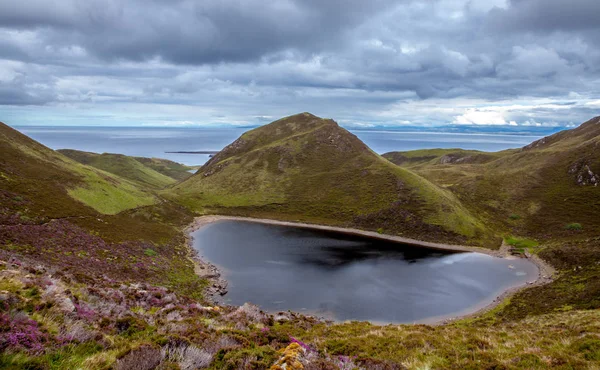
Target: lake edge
<point>544,271</point>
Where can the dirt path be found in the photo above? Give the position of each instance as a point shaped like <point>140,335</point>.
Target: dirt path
<point>207,270</point>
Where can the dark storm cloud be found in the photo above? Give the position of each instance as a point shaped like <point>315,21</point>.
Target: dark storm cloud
<point>547,15</point>
<point>382,60</point>
<point>15,92</point>
<point>191,32</point>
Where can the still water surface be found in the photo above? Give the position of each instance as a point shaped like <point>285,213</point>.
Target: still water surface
<point>345,277</point>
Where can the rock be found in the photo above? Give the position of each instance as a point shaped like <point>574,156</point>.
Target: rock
<point>66,304</point>
<point>583,174</point>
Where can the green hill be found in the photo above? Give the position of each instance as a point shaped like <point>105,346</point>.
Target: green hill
<point>169,168</point>
<point>124,166</point>
<point>54,181</point>
<point>307,168</point>
<point>85,222</point>
<point>542,190</point>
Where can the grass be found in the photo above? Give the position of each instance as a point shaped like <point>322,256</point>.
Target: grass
<point>166,167</point>
<point>150,252</point>
<point>110,198</point>
<point>540,342</point>
<point>439,156</point>
<point>521,244</point>
<point>576,286</point>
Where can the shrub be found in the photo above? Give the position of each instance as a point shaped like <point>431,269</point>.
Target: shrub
<point>574,226</point>
<point>514,217</point>
<point>21,333</point>
<point>150,252</point>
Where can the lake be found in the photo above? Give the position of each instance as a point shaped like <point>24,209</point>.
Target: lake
<point>347,277</point>
<point>155,141</point>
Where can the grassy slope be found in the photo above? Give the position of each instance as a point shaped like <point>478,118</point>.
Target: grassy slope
<point>439,156</point>
<point>166,167</point>
<point>307,168</point>
<point>40,189</point>
<point>123,166</point>
<point>535,186</point>
<point>25,161</point>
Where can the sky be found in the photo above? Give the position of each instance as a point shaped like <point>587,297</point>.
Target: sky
<point>244,62</point>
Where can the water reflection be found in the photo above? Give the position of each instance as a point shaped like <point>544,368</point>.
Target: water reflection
<point>349,277</point>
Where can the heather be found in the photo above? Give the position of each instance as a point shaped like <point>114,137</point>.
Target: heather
<point>53,323</point>
<point>61,243</point>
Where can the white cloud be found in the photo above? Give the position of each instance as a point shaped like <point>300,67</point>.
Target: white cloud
<point>475,116</point>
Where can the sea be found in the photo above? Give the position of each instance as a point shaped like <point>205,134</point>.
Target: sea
<point>158,141</point>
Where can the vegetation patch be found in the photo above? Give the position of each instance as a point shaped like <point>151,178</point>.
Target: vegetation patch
<point>147,172</point>
<point>521,244</point>
<point>574,226</point>
<point>111,199</point>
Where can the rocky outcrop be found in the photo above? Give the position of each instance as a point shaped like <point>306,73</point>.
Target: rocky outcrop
<point>451,158</point>
<point>584,176</point>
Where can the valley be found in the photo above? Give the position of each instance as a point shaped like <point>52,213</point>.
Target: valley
<point>97,270</point>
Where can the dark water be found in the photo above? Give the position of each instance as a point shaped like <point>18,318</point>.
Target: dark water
<point>155,141</point>
<point>351,278</point>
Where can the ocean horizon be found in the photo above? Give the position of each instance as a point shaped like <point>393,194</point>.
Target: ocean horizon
<point>148,141</point>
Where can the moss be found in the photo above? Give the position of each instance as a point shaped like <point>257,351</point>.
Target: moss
<point>521,243</point>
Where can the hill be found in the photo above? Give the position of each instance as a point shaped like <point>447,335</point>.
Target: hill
<point>138,170</point>
<point>84,223</point>
<point>439,156</point>
<point>307,168</point>
<point>169,168</point>
<point>545,190</point>
<point>51,179</point>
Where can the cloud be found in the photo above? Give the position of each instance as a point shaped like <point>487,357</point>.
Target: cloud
<point>547,15</point>
<point>364,63</point>
<point>532,62</point>
<point>189,32</point>
<point>480,117</point>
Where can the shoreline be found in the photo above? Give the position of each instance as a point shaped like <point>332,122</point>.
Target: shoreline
<point>218,286</point>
